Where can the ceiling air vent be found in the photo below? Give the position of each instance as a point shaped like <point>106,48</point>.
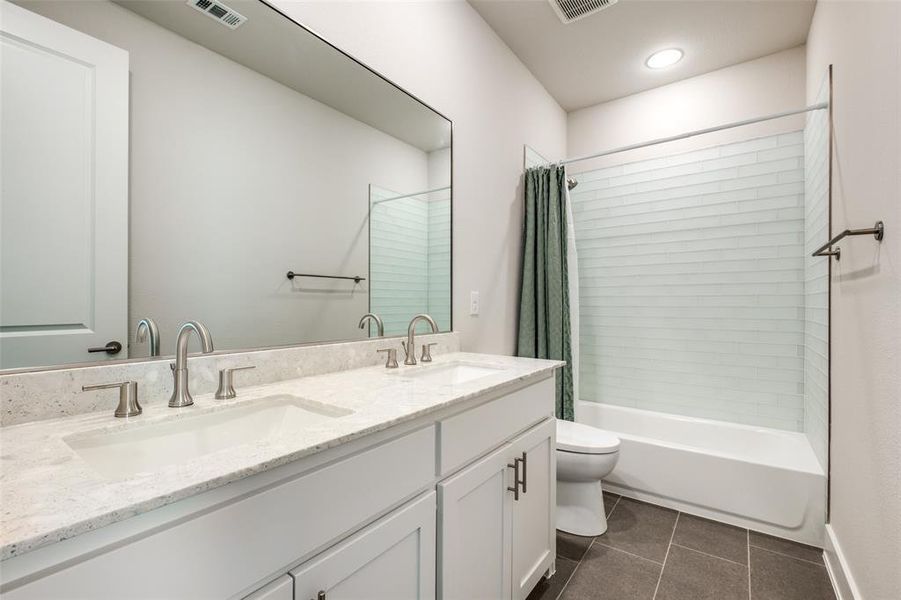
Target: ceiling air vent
<point>573,10</point>
<point>218,11</point>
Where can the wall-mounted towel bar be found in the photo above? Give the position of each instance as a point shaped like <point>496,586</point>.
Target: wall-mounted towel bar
<point>355,278</point>
<point>877,231</point>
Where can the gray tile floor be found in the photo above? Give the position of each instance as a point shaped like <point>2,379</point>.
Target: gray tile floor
<point>654,553</point>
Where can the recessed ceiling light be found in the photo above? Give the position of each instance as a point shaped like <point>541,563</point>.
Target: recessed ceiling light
<point>664,58</point>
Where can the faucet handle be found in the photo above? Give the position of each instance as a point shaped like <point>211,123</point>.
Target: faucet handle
<point>391,363</point>
<point>226,389</point>
<point>427,352</point>
<point>128,397</point>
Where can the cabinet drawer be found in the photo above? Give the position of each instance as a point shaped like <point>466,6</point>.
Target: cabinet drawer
<point>470,434</point>
<point>225,552</point>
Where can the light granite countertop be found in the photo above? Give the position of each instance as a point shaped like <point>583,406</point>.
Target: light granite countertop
<point>48,493</point>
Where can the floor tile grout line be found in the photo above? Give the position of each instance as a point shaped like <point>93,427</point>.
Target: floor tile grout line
<point>591,545</point>
<point>810,562</point>
<point>748,548</point>
<point>570,578</point>
<point>734,562</point>
<point>579,562</point>
<point>615,504</point>
<point>584,554</point>
<point>626,552</point>
<point>668,548</point>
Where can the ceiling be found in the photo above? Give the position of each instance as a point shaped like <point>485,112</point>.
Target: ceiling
<point>601,57</point>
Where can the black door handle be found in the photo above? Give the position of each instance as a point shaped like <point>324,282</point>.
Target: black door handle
<point>110,348</point>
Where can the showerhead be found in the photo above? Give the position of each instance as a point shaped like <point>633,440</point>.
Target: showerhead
<point>571,183</point>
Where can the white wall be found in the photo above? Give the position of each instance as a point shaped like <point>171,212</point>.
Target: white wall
<point>759,87</point>
<point>444,53</point>
<point>863,42</point>
<point>236,179</point>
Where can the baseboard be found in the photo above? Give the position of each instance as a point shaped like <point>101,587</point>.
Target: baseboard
<point>839,573</point>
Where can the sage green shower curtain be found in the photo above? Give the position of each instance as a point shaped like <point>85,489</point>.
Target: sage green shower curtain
<point>544,326</point>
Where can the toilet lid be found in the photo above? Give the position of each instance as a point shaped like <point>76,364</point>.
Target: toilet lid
<point>584,439</point>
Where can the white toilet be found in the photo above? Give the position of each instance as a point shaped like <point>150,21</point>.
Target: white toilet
<point>585,455</point>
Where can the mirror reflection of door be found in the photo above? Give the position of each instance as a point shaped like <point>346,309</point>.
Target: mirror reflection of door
<point>173,165</point>
<point>64,198</point>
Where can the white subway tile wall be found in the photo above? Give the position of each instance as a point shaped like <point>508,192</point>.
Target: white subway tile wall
<point>409,259</point>
<point>816,282</point>
<point>439,261</point>
<point>692,277</point>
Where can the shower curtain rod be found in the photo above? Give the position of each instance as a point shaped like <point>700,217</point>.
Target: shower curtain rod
<point>683,136</point>
<point>441,189</point>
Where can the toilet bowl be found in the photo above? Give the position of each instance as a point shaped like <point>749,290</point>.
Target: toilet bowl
<point>585,455</point>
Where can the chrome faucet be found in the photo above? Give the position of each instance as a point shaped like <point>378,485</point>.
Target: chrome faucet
<point>409,347</point>
<point>128,397</point>
<point>378,322</point>
<point>180,394</point>
<point>147,328</point>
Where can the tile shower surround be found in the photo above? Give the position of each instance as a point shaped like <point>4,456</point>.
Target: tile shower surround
<point>692,277</point>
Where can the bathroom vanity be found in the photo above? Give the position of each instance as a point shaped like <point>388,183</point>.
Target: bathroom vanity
<point>418,482</point>
<point>325,477</point>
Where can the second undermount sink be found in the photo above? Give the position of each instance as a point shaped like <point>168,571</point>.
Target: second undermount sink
<point>454,373</point>
<point>145,448</point>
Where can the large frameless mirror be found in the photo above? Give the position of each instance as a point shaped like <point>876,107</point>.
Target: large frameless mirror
<point>211,161</point>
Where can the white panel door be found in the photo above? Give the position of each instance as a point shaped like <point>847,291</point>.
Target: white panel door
<point>474,530</point>
<point>393,559</point>
<point>64,194</point>
<point>534,523</point>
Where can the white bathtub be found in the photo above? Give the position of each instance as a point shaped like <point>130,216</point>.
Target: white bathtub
<point>763,479</point>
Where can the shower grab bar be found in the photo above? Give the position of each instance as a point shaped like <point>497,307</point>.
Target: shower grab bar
<point>355,278</point>
<point>877,231</point>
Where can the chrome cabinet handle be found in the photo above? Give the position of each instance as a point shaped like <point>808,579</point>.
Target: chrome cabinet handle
<point>525,471</point>
<point>516,481</point>
<point>113,347</point>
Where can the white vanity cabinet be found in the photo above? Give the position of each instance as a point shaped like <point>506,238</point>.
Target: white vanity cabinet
<point>533,533</point>
<point>458,504</point>
<point>392,559</point>
<point>280,589</point>
<point>496,530</point>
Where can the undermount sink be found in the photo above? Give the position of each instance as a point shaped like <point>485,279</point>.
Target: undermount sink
<point>121,453</point>
<point>454,373</point>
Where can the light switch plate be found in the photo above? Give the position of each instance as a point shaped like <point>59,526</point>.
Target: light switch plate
<point>473,304</point>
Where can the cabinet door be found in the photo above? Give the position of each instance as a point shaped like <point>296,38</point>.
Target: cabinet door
<point>391,559</point>
<point>280,589</point>
<point>474,530</point>
<point>533,544</point>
